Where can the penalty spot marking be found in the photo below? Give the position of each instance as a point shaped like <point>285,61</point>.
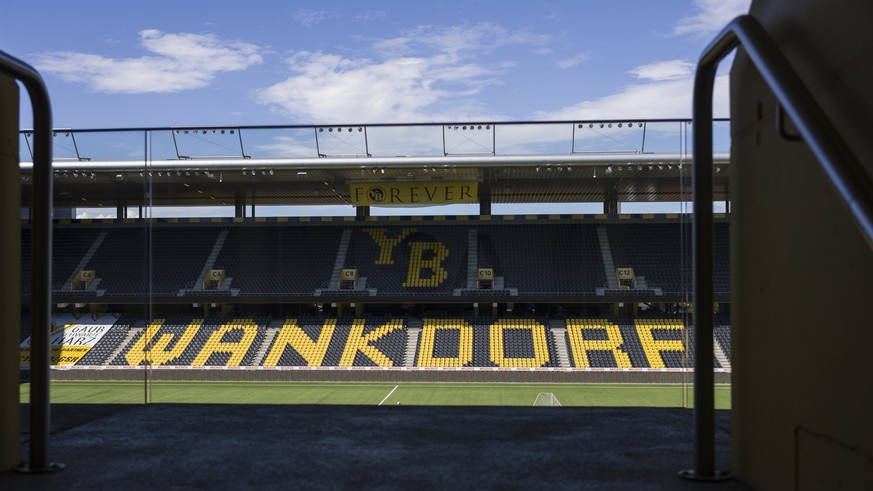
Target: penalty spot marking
<point>389,394</point>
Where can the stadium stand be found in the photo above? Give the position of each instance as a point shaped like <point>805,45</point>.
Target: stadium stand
<point>648,341</point>
<point>528,257</point>
<point>413,259</point>
<point>662,341</point>
<point>301,342</point>
<point>661,253</point>
<point>100,353</point>
<point>278,260</point>
<point>419,260</point>
<point>485,342</point>
<point>544,258</point>
<point>723,333</point>
<point>121,262</point>
<point>655,251</point>
<point>596,343</point>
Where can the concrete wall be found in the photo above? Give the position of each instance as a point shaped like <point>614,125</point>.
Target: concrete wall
<point>802,275</point>
<point>10,295</point>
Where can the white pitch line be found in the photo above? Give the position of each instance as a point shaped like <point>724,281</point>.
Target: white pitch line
<point>389,394</point>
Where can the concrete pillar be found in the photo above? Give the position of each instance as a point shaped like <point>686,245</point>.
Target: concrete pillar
<point>484,198</point>
<point>610,203</point>
<point>800,270</point>
<point>10,252</point>
<point>240,205</point>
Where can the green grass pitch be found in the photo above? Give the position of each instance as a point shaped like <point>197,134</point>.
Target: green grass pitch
<point>412,394</point>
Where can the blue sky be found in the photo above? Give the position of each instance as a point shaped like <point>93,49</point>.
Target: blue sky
<point>166,63</point>
<point>193,63</point>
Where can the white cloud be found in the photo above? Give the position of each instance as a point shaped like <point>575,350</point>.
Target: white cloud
<point>307,18</point>
<point>426,74</point>
<point>371,16</point>
<point>176,62</point>
<point>710,16</point>
<point>571,62</point>
<point>660,71</point>
<point>459,40</point>
<point>665,98</point>
<point>287,146</point>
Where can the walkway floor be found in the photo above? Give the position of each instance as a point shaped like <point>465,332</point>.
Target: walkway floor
<point>159,447</point>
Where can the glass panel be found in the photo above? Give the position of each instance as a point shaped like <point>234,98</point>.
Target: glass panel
<point>99,282</point>
<point>239,254</point>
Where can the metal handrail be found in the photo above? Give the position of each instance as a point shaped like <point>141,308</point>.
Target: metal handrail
<point>843,169</point>
<point>41,257</point>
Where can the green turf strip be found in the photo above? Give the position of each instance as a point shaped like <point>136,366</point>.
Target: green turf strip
<point>427,394</point>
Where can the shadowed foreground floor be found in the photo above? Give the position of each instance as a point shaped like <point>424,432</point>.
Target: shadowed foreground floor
<point>353,447</point>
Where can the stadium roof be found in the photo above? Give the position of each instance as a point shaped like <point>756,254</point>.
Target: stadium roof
<point>517,162</point>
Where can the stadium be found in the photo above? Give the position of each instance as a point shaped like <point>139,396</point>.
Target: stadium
<point>561,293</point>
<point>224,300</point>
